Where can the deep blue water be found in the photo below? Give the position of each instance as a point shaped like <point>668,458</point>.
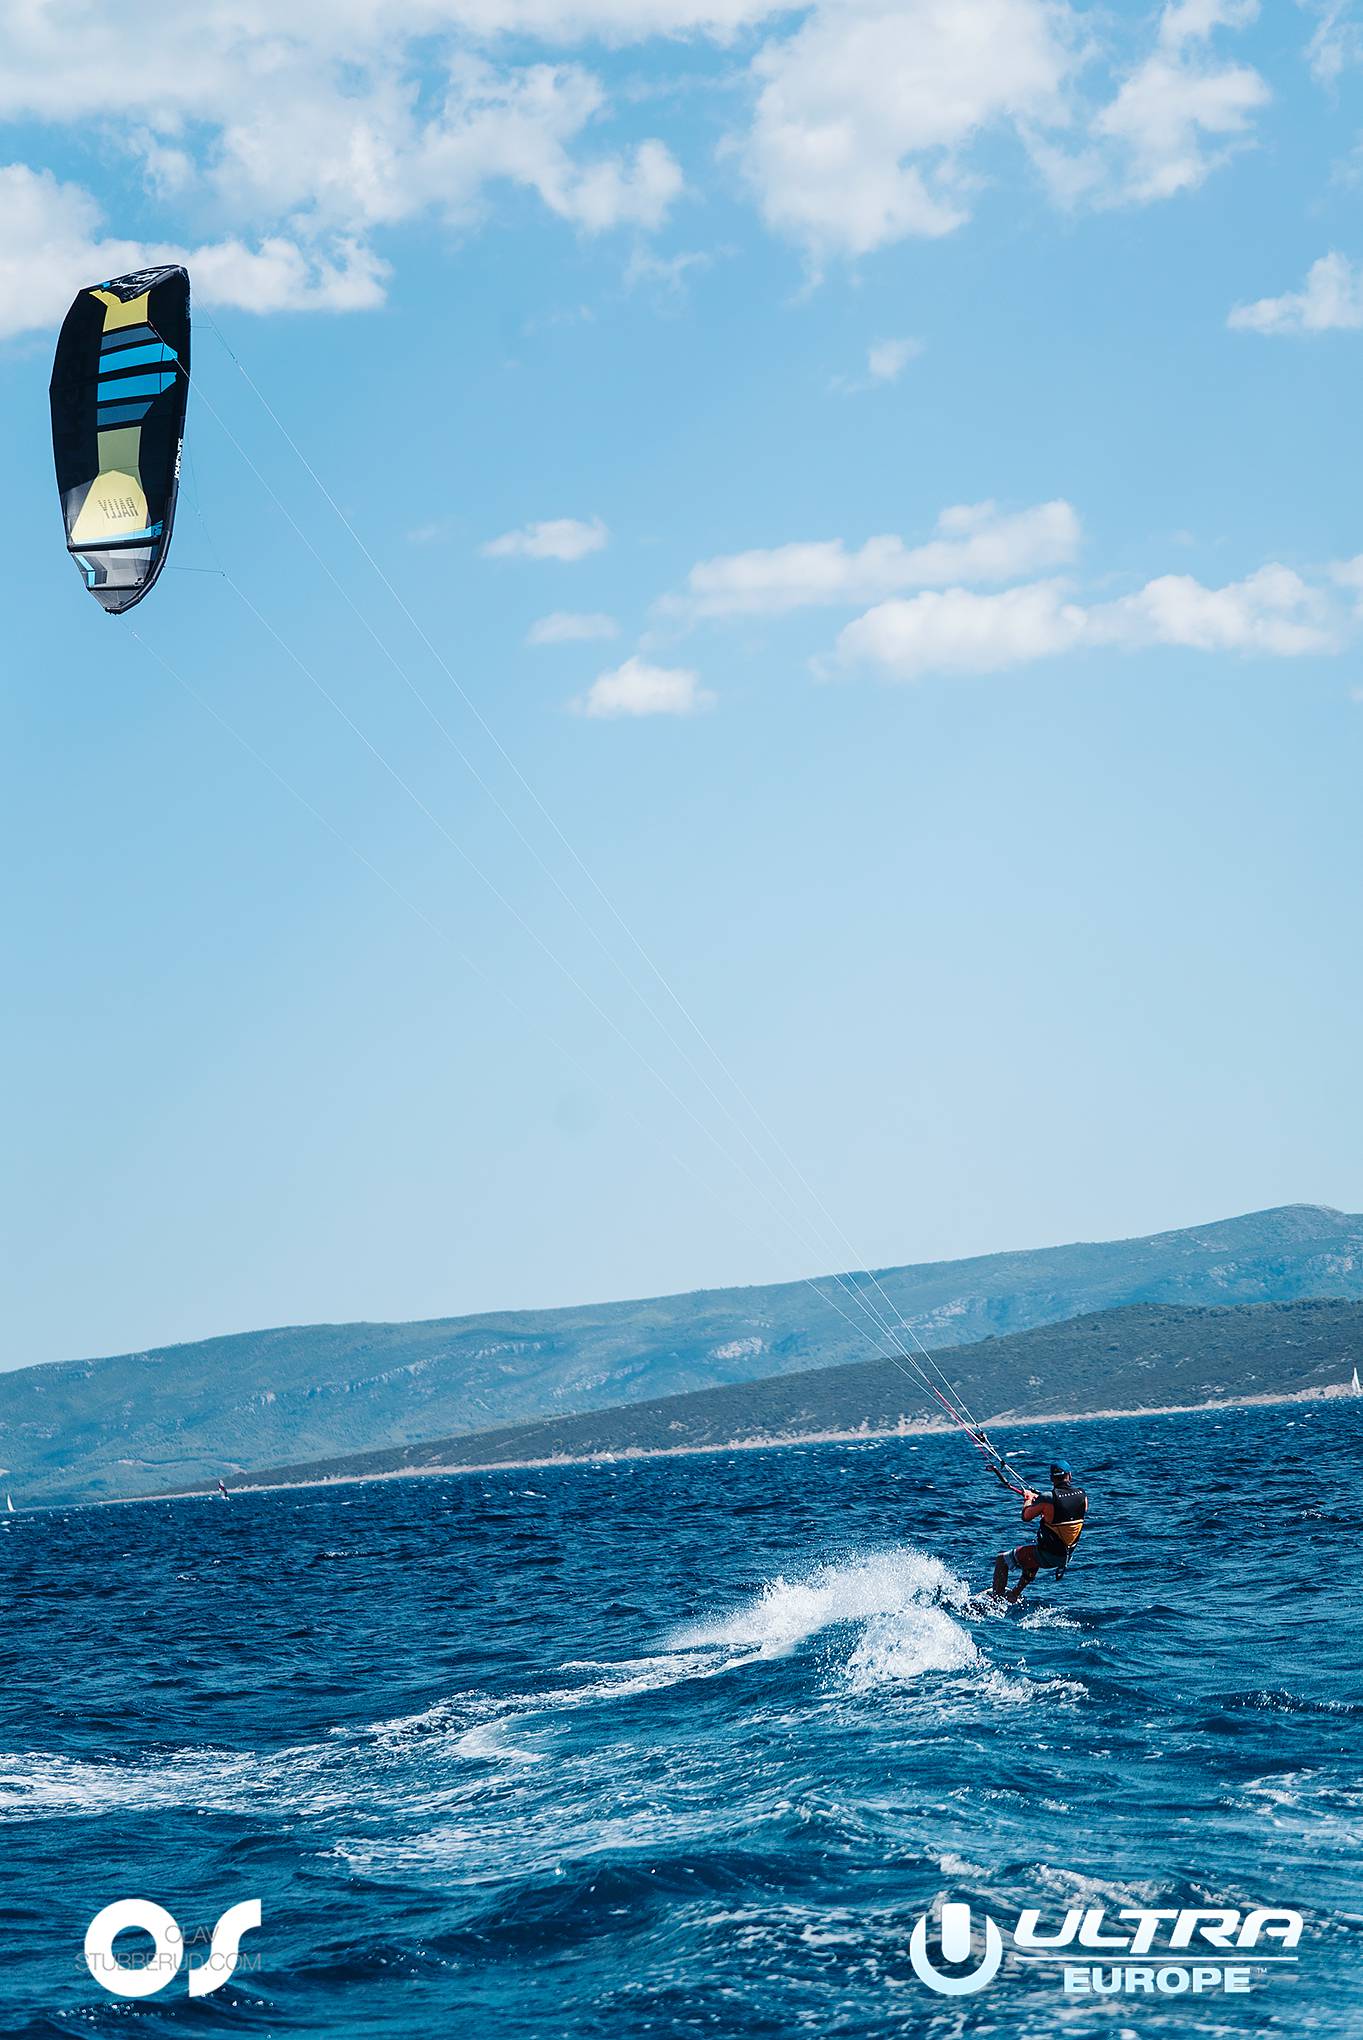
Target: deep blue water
<point>685,1747</point>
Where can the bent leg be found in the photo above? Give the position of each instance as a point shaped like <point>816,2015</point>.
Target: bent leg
<point>1029,1561</point>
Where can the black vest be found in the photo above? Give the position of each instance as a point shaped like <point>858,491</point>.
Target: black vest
<point>1069,1506</point>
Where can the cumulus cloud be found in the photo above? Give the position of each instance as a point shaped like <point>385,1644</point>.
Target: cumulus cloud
<point>864,113</point>
<point>614,21</point>
<point>1331,299</point>
<point>886,361</point>
<point>313,129</point>
<point>361,159</point>
<point>1175,117</point>
<point>870,115</point>
<point>954,630</point>
<point>972,542</point>
<point>52,242</point>
<point>1349,574</point>
<point>557,538</point>
<point>637,688</point>
<point>1273,612</point>
<point>1336,42</point>
<point>318,130</point>
<point>571,627</point>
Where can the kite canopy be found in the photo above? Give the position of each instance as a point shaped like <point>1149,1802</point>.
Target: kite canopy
<point>120,381</point>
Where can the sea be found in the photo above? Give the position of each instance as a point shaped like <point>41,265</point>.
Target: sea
<point>690,1745</point>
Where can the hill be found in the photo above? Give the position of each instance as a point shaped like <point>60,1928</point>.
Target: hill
<point>141,1423</point>
<point>1137,1358</point>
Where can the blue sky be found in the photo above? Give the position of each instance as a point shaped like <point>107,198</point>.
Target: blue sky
<point>879,482</point>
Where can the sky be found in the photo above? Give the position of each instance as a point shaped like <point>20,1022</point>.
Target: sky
<point>760,665</point>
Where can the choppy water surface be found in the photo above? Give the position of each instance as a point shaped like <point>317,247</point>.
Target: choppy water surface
<point>685,1747</point>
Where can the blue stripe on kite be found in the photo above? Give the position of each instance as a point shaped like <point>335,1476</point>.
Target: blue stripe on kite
<point>146,377</point>
<point>121,414</point>
<point>135,386</point>
<point>124,538</point>
<point>135,357</point>
<point>126,336</point>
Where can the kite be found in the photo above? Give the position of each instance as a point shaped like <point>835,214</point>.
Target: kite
<point>120,382</point>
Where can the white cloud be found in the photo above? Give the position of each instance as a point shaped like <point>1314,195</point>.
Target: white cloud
<point>865,113</point>
<point>557,538</point>
<point>1179,112</point>
<point>316,130</point>
<point>637,688</point>
<point>1349,574</point>
<point>279,276</point>
<point>973,542</point>
<point>665,274</point>
<point>886,361</point>
<point>570,627</point>
<point>1330,299</point>
<point>1272,612</point>
<point>357,161</point>
<point>78,61</point>
<point>1336,42</point>
<point>51,244</point>
<point>954,630</point>
<point>221,62</point>
<point>615,21</point>
<point>1183,22</point>
<point>312,129</point>
<point>869,115</point>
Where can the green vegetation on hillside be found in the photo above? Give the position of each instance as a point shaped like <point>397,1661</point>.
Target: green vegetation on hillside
<point>142,1423</point>
<point>1140,1358</point>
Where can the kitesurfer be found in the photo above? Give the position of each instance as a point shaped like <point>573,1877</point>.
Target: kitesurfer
<point>1059,1517</point>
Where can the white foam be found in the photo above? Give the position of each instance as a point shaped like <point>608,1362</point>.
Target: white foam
<point>1046,1616</point>
<point>788,1612</point>
<point>1015,1689</point>
<point>472,1722</point>
<point>488,1741</point>
<point>902,1605</point>
<point>907,1644</point>
<point>35,1783</point>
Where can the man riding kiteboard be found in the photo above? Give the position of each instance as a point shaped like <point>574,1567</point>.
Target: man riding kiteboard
<point>1059,1517</point>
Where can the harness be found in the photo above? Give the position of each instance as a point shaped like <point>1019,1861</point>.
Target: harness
<point>1055,1541</point>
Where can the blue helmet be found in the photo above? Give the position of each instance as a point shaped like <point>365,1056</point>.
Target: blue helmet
<point>1060,1469</point>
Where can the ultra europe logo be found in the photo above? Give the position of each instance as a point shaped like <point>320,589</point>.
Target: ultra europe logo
<point>957,1952</point>
<point>162,1962</point>
<point>1134,1952</point>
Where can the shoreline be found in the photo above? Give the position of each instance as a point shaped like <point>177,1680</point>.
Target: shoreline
<point>627,1454</point>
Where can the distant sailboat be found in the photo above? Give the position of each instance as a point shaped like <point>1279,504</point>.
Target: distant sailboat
<point>1356,1387</point>
<point>9,1499</point>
